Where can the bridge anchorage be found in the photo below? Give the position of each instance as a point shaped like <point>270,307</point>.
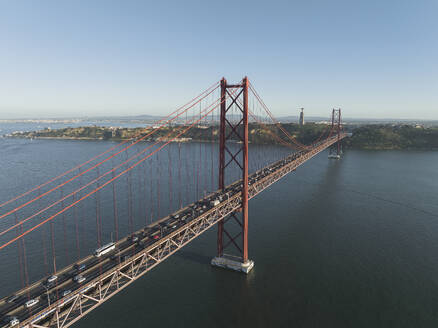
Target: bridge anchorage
<point>335,151</point>
<point>68,294</point>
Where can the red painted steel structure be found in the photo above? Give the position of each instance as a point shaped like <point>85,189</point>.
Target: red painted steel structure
<point>336,128</point>
<point>239,130</point>
<point>140,257</point>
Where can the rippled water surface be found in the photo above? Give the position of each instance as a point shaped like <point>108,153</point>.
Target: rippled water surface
<point>348,243</point>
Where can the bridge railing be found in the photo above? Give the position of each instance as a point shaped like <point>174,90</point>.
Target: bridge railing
<point>68,310</point>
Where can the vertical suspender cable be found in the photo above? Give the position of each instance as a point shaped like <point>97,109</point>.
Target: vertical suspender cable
<point>116,223</point>
<point>43,236</point>
<point>64,228</point>
<point>78,249</point>
<point>188,180</point>
<point>193,160</point>
<point>151,189</point>
<point>145,193</point>
<point>82,232</point>
<point>128,181</point>
<point>179,175</point>
<point>25,263</point>
<point>20,258</point>
<point>116,219</point>
<point>158,185</point>
<point>46,264</point>
<point>212,152</point>
<point>98,225</point>
<point>140,193</point>
<point>170,177</point>
<point>52,237</point>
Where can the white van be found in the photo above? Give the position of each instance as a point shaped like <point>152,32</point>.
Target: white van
<point>52,279</point>
<point>31,302</point>
<point>104,249</point>
<point>66,292</point>
<point>79,278</point>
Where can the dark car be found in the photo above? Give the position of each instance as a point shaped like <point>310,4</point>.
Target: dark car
<point>114,257</point>
<point>12,298</point>
<point>48,285</point>
<point>80,267</point>
<point>133,238</point>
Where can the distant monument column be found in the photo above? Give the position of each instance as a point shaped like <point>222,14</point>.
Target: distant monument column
<point>301,122</point>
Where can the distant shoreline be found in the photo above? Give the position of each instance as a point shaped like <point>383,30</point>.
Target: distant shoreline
<point>368,137</point>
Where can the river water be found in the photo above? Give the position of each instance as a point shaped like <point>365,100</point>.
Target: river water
<point>348,243</point>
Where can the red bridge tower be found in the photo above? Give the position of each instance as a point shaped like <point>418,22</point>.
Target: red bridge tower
<point>233,230</point>
<point>335,151</point>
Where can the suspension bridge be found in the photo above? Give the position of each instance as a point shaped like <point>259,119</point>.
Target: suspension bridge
<point>143,199</point>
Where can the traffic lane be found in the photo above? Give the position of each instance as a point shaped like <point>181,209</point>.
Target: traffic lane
<point>94,263</point>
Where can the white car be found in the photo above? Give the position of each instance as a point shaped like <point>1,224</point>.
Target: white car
<point>13,321</point>
<point>79,278</point>
<point>215,202</point>
<point>66,292</point>
<point>52,279</point>
<point>31,302</point>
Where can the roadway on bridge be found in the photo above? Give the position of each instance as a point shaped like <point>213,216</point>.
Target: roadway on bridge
<point>126,248</point>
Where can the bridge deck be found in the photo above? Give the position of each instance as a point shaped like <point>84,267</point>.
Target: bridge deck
<point>107,275</point>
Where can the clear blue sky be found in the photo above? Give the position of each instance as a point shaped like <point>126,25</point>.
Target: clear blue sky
<point>373,58</point>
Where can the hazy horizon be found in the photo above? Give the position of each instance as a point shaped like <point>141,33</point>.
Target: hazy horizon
<point>152,116</point>
<point>373,59</point>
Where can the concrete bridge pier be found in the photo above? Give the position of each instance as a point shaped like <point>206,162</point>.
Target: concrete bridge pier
<point>232,263</point>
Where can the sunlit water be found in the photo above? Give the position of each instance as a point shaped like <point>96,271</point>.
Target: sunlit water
<point>348,243</point>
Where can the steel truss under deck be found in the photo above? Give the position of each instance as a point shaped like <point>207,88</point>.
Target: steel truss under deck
<point>70,309</point>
